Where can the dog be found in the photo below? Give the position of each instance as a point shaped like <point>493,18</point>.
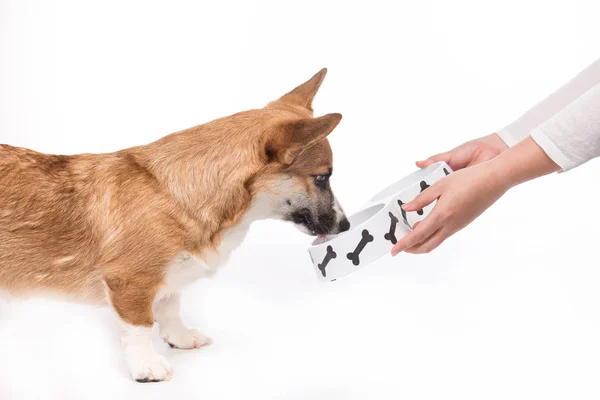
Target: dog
<point>130,229</point>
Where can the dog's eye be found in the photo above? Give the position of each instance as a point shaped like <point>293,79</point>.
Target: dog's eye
<point>321,180</point>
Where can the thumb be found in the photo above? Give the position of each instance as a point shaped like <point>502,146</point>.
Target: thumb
<point>433,159</point>
<point>423,199</point>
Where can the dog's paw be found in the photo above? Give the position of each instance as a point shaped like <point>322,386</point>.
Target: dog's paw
<point>150,367</point>
<point>184,338</point>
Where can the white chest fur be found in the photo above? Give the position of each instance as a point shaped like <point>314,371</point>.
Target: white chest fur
<point>186,268</point>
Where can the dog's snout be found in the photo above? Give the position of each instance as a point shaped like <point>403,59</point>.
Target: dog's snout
<point>331,221</point>
<point>344,225</point>
<point>302,217</point>
<point>326,223</point>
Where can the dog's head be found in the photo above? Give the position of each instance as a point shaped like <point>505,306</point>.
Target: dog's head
<point>299,162</point>
<point>272,162</point>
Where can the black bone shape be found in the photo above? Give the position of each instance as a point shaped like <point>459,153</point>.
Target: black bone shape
<point>400,203</point>
<point>328,257</point>
<point>391,235</point>
<point>424,186</point>
<point>366,238</point>
<point>446,172</point>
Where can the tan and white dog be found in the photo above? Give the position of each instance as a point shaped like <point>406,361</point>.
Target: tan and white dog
<point>131,228</point>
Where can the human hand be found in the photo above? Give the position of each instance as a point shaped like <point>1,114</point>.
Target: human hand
<point>470,153</point>
<point>464,195</point>
<point>461,197</point>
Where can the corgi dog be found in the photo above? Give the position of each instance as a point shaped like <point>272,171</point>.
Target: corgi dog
<point>130,229</point>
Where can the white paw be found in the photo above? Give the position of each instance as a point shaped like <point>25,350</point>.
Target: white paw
<point>148,367</point>
<point>184,338</point>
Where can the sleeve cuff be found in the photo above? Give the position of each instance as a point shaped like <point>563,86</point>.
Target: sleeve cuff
<point>506,136</point>
<point>555,154</point>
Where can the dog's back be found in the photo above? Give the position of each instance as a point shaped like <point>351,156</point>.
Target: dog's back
<point>42,229</point>
<point>58,218</point>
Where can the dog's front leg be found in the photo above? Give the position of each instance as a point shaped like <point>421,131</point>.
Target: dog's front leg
<point>132,301</point>
<point>172,329</point>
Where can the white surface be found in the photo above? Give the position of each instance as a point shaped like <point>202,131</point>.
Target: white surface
<point>507,309</point>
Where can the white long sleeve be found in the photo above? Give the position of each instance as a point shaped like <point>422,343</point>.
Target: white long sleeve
<point>572,137</point>
<point>566,125</point>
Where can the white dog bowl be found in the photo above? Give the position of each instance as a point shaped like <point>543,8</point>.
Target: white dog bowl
<point>376,228</point>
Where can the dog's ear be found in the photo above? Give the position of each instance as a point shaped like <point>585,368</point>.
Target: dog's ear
<point>289,139</point>
<point>304,94</point>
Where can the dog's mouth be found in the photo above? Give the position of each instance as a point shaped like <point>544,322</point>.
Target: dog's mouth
<point>305,219</point>
<point>320,227</point>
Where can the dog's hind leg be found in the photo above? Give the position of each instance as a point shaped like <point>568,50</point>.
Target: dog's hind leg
<point>172,329</point>
<point>132,300</point>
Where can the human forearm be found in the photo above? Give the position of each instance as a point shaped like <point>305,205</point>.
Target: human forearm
<point>522,162</point>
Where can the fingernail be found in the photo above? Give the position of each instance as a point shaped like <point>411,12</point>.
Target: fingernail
<point>407,206</point>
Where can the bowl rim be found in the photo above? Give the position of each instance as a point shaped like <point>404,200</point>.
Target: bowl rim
<point>421,173</point>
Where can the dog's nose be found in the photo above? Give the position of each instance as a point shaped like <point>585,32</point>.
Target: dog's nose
<point>344,225</point>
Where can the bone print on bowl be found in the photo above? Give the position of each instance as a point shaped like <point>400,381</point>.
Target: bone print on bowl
<point>376,228</point>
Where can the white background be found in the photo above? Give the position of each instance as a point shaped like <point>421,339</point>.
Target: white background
<point>508,308</point>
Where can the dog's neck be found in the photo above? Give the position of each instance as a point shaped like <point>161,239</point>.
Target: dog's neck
<point>209,180</point>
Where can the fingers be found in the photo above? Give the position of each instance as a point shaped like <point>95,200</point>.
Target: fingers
<point>419,234</point>
<point>433,159</point>
<point>431,243</point>
<point>423,199</point>
<point>423,230</point>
